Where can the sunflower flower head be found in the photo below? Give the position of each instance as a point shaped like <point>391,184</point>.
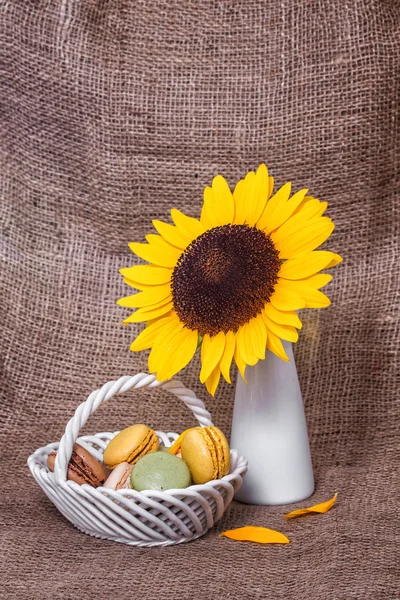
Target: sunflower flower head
<point>232,281</point>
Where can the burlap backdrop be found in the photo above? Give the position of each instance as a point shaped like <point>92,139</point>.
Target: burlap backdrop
<point>113,112</point>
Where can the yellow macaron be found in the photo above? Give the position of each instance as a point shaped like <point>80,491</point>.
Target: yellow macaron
<point>130,444</point>
<point>206,452</point>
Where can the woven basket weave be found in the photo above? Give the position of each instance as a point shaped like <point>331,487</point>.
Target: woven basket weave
<point>148,518</point>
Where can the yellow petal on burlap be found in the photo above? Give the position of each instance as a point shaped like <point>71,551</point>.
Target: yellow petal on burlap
<point>178,351</point>
<point>207,218</point>
<point>311,207</point>
<point>312,297</point>
<point>147,337</point>
<point>171,234</point>
<point>321,508</point>
<point>309,264</point>
<point>142,315</point>
<point>188,226</point>
<point>251,197</point>
<point>226,360</point>
<point>283,317</point>
<point>149,297</point>
<point>158,349</point>
<point>213,380</point>
<point>271,186</point>
<point>147,274</point>
<point>260,535</point>
<point>163,255</point>
<point>313,233</point>
<point>284,210</point>
<point>239,205</point>
<point>212,349</point>
<point>218,207</point>
<point>282,195</point>
<point>317,281</point>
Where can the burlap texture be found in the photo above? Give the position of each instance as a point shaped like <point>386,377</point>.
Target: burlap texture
<point>113,112</point>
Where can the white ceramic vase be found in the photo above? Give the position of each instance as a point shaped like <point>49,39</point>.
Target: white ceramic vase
<point>269,428</point>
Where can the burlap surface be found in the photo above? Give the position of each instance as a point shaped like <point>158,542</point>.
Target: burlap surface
<point>112,112</point>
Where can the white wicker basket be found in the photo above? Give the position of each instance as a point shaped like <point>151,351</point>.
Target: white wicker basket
<point>149,518</point>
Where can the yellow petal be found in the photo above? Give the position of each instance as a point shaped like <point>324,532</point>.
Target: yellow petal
<point>136,285</point>
<point>220,207</point>
<point>284,210</point>
<point>146,338</point>
<point>241,365</point>
<point>275,345</point>
<point>188,226</point>
<point>161,255</point>
<point>178,352</point>
<point>244,344</point>
<point>305,240</point>
<point>285,332</point>
<point>171,234</point>
<point>258,336</point>
<point>226,360</point>
<point>160,342</point>
<point>271,186</point>
<point>286,300</point>
<point>311,207</point>
<point>317,508</point>
<point>147,274</point>
<point>311,296</point>
<point>261,535</point>
<point>240,209</point>
<point>207,218</point>
<point>254,196</point>
<point>212,349</point>
<point>213,380</point>
<point>309,264</point>
<point>282,317</point>
<point>296,223</point>
<point>142,315</point>
<point>282,195</point>
<point>317,281</point>
<point>149,297</point>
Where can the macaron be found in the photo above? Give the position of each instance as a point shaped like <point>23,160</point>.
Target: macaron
<point>160,471</point>
<point>119,477</point>
<point>129,445</point>
<point>206,452</point>
<point>83,467</point>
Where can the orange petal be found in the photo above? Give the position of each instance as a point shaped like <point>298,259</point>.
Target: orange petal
<point>176,446</point>
<point>317,508</point>
<point>261,535</point>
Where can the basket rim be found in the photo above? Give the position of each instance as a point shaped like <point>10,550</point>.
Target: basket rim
<point>34,464</point>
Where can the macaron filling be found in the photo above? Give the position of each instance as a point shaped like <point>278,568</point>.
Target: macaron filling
<point>219,451</point>
<point>149,445</point>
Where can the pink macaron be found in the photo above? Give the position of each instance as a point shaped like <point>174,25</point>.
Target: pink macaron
<point>119,478</point>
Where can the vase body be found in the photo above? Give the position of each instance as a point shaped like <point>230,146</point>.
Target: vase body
<point>269,428</point>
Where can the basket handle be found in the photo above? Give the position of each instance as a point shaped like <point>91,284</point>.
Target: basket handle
<point>110,389</point>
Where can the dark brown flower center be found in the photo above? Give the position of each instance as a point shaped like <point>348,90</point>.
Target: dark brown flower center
<point>224,278</point>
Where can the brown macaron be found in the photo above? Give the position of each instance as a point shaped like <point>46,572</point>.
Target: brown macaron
<point>83,467</point>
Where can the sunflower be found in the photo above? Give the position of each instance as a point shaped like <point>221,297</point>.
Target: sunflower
<point>231,282</point>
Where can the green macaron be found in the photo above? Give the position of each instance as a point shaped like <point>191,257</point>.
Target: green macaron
<point>160,471</point>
